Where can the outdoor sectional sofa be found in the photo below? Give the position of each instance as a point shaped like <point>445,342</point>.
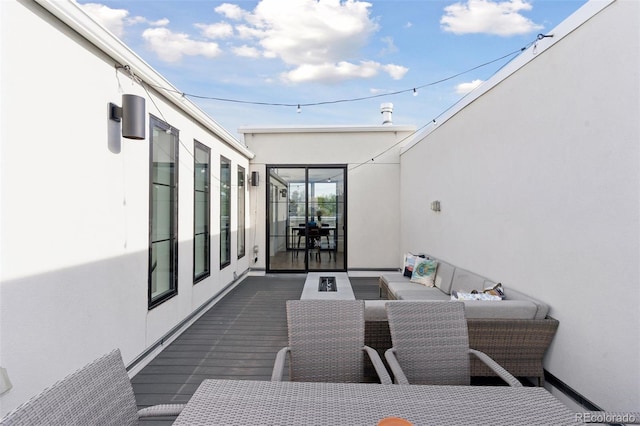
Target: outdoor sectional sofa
<point>515,332</point>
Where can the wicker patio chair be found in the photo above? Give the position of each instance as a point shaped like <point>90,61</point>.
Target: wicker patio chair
<point>431,345</point>
<point>326,343</point>
<point>98,394</point>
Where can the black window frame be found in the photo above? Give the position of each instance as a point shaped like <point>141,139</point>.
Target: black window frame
<point>155,122</point>
<point>242,212</point>
<point>225,228</point>
<point>197,171</point>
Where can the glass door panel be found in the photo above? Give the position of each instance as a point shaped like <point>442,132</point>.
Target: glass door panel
<point>286,219</point>
<point>306,218</point>
<point>325,187</point>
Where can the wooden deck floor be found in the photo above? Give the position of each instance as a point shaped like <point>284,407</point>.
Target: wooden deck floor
<point>238,338</point>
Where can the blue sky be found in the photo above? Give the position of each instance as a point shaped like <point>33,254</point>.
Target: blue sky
<point>316,51</point>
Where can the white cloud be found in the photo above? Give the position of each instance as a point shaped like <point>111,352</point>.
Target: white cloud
<point>246,32</point>
<point>464,88</point>
<point>139,20</point>
<point>317,38</point>
<point>112,19</point>
<point>396,72</point>
<point>390,47</point>
<point>159,23</point>
<point>115,20</point>
<point>246,51</point>
<point>486,16</point>
<point>231,11</point>
<point>343,70</point>
<point>171,47</point>
<point>142,20</point>
<point>313,32</point>
<point>216,31</point>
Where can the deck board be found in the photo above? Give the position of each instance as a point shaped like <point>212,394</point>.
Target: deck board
<point>238,338</point>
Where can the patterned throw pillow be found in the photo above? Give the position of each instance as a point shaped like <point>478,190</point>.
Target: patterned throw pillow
<point>409,261</point>
<point>424,272</point>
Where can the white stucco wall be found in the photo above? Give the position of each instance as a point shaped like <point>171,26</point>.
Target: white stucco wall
<point>539,185</point>
<point>372,189</point>
<point>74,224</point>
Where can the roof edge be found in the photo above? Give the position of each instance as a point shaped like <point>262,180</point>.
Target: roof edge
<point>566,27</point>
<point>326,129</point>
<point>72,15</point>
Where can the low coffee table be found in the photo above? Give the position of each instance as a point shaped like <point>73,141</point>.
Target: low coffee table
<point>336,286</point>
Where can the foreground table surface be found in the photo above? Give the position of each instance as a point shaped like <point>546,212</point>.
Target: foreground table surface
<point>246,402</point>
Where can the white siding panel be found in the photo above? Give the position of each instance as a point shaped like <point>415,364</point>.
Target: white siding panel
<point>75,208</point>
<point>539,184</point>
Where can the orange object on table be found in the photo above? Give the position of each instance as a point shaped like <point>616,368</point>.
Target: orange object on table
<point>394,421</point>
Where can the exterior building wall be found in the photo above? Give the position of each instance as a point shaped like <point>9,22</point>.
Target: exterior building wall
<point>372,197</point>
<point>539,187</point>
<point>74,228</point>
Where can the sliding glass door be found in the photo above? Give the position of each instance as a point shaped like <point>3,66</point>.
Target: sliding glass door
<point>306,220</point>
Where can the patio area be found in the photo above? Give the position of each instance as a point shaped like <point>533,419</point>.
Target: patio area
<point>238,338</point>
<point>225,359</point>
<point>530,181</point>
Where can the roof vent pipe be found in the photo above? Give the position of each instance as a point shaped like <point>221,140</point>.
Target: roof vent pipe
<point>386,109</point>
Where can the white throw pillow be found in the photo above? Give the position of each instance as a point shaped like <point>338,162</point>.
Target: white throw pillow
<point>424,271</point>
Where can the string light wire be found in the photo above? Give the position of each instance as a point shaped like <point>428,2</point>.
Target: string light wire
<point>413,90</point>
<point>298,106</point>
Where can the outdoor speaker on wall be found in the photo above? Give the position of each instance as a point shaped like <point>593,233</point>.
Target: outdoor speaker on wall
<point>132,115</point>
<point>255,179</point>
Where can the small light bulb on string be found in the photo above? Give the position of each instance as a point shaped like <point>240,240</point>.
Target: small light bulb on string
<point>415,92</point>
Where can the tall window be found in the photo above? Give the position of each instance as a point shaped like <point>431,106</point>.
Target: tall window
<point>201,216</point>
<point>241,207</point>
<point>225,212</point>
<point>163,212</point>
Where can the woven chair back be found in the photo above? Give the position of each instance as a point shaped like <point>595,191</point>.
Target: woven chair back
<point>98,394</point>
<point>326,338</point>
<point>431,341</point>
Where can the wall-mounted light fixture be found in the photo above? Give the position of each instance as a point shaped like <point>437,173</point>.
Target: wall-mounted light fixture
<point>255,178</point>
<point>435,206</point>
<point>283,192</point>
<point>131,114</point>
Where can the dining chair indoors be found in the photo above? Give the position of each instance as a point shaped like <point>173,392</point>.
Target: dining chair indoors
<point>314,242</point>
<point>302,232</point>
<point>326,343</point>
<point>430,345</point>
<point>324,232</point>
<point>97,394</point>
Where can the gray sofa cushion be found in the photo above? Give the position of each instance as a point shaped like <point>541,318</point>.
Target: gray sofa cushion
<point>476,309</point>
<point>405,289</point>
<point>466,281</point>
<point>444,277</point>
<point>542,309</point>
<point>516,305</point>
<point>374,310</point>
<point>388,277</point>
<point>427,293</point>
<point>512,309</point>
